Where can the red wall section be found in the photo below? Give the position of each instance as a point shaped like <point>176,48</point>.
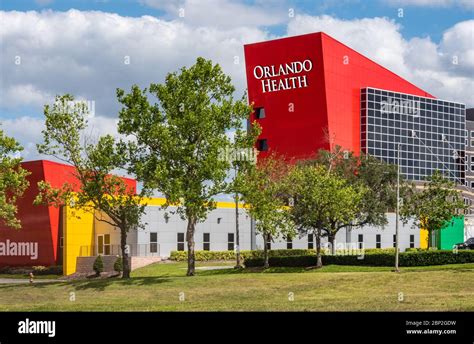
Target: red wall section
<point>294,134</point>
<point>35,222</point>
<point>41,223</point>
<point>330,103</point>
<point>343,83</point>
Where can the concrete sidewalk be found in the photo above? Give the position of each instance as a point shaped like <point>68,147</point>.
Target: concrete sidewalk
<point>26,281</point>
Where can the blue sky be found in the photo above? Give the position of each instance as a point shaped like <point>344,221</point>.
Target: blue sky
<point>64,47</point>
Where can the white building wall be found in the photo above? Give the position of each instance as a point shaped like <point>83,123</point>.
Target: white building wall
<point>221,221</point>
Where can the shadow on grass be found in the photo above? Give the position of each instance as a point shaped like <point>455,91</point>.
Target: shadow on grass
<point>95,284</point>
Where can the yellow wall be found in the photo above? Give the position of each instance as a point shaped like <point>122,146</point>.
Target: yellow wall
<point>423,238</point>
<point>78,229</point>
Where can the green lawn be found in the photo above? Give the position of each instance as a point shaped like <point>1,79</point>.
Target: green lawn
<point>334,288</point>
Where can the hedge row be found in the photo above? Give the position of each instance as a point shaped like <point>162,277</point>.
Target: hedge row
<point>230,255</point>
<point>37,270</point>
<point>416,258</point>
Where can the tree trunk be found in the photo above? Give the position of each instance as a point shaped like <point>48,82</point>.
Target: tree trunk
<point>319,263</point>
<point>190,240</point>
<point>266,238</point>
<point>430,239</point>
<point>332,241</point>
<point>237,239</point>
<point>125,258</point>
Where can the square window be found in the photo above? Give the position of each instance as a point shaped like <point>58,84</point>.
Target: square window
<point>262,145</point>
<point>259,113</point>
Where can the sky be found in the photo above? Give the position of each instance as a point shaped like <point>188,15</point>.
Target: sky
<point>50,47</point>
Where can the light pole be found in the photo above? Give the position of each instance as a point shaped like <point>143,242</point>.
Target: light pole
<point>398,209</point>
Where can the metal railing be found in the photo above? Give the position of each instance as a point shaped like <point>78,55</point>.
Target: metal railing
<point>134,250</point>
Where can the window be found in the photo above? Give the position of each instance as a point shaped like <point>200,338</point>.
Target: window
<point>360,240</point>
<point>259,113</point>
<point>219,219</point>
<point>103,244</point>
<point>310,241</point>
<point>394,240</point>
<point>61,241</point>
<point>262,145</point>
<point>289,244</point>
<point>206,241</point>
<point>153,242</point>
<point>378,243</point>
<point>472,159</point>
<point>269,245</point>
<point>412,240</point>
<point>472,185</point>
<point>230,241</point>
<point>472,143</point>
<point>472,134</point>
<point>180,242</point>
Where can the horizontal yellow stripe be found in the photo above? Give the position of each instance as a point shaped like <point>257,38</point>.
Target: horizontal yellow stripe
<point>155,201</point>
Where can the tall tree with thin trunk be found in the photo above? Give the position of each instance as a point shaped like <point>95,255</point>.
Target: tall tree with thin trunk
<point>264,190</point>
<point>13,182</point>
<point>99,191</point>
<point>180,138</point>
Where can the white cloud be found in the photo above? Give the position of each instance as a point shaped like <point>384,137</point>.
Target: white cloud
<point>27,131</point>
<point>87,56</point>
<point>222,13</point>
<point>427,64</point>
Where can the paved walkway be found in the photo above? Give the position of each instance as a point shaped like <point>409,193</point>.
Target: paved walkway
<point>25,280</point>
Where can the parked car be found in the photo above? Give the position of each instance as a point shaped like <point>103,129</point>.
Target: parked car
<point>467,245</point>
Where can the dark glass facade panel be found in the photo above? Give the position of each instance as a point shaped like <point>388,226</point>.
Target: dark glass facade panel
<point>431,133</point>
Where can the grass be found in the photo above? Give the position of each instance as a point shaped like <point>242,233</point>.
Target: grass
<point>158,287</point>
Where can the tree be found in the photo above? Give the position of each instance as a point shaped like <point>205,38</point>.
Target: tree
<point>100,191</point>
<point>13,182</point>
<point>435,205</point>
<point>180,137</point>
<point>375,176</point>
<point>322,198</point>
<point>242,161</point>
<point>98,265</point>
<point>264,190</point>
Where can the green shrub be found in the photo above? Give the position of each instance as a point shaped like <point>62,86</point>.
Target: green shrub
<point>98,265</point>
<point>230,255</point>
<point>416,258</point>
<point>118,265</point>
<point>48,270</point>
<point>247,254</point>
